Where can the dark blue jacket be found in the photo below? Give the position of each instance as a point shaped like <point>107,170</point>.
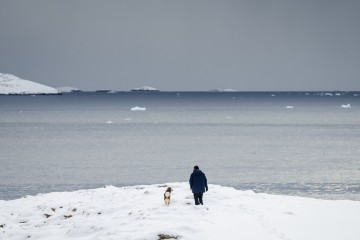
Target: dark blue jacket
<point>198,182</point>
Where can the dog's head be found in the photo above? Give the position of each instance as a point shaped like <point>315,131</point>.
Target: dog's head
<point>169,189</point>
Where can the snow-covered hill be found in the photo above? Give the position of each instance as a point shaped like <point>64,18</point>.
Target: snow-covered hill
<point>139,213</point>
<point>10,84</point>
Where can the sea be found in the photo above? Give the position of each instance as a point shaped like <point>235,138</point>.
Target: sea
<point>290,143</point>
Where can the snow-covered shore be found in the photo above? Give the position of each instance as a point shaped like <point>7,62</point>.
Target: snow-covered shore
<point>139,213</point>
<point>10,84</point>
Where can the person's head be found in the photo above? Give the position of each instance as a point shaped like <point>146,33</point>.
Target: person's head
<point>196,167</point>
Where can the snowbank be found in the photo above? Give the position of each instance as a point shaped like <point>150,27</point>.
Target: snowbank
<point>139,213</point>
<point>10,84</point>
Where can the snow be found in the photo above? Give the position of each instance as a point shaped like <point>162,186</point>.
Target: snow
<point>139,212</point>
<point>10,84</point>
<point>67,89</point>
<point>137,108</point>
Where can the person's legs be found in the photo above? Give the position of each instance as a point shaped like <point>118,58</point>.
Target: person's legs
<point>201,198</point>
<point>196,198</point>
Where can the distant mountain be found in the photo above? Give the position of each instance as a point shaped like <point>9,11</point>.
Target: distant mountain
<point>144,89</point>
<point>215,90</point>
<point>103,90</point>
<point>68,89</point>
<point>10,84</point>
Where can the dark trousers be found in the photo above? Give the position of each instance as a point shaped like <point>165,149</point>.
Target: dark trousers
<point>198,198</point>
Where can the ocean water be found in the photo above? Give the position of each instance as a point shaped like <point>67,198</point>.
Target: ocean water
<point>296,143</point>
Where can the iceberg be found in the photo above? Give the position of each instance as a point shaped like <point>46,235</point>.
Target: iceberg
<point>139,212</point>
<point>137,108</point>
<point>229,90</point>
<point>10,84</point>
<point>145,89</point>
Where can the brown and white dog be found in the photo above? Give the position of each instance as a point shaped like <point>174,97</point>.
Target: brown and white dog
<point>167,196</point>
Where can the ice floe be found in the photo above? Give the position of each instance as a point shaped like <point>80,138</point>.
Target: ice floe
<point>346,105</point>
<point>137,108</point>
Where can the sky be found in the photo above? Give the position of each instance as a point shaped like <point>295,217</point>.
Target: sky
<point>183,45</point>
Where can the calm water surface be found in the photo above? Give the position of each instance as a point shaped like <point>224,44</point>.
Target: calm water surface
<point>302,144</point>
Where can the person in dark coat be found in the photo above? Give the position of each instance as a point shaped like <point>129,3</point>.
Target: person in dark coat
<point>198,185</point>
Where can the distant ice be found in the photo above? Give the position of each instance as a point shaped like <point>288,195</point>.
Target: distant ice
<point>137,108</point>
<point>127,119</point>
<point>229,90</point>
<point>109,122</point>
<point>145,89</point>
<point>289,107</point>
<point>67,89</point>
<point>346,105</point>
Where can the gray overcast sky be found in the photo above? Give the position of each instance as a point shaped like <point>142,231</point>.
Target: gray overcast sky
<point>183,45</point>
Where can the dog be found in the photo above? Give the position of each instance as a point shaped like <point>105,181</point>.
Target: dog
<point>167,196</point>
